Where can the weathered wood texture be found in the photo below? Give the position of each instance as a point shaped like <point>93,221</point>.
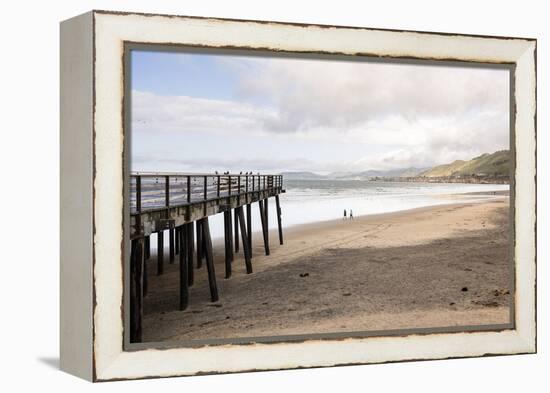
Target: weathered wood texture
<point>209,260</point>
<point>265,228</point>
<point>249,227</point>
<point>182,198</point>
<point>236,231</point>
<point>184,220</point>
<point>246,248</point>
<point>199,244</point>
<point>160,252</point>
<point>136,290</point>
<point>184,268</point>
<point>189,249</point>
<point>228,236</point>
<point>177,239</point>
<point>171,245</point>
<point>147,247</point>
<point>279,223</point>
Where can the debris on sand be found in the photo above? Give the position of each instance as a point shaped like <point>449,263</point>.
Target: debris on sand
<point>485,303</point>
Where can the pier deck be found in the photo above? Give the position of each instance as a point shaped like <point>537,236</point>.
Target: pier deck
<point>156,198</point>
<point>180,204</point>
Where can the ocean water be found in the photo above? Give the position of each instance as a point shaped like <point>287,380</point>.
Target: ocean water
<point>313,200</point>
<point>308,201</point>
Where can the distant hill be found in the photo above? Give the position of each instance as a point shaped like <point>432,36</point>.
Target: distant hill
<point>402,172</point>
<point>365,175</point>
<point>496,164</point>
<point>302,175</point>
<point>341,175</point>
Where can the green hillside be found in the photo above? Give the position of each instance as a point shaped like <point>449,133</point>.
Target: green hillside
<point>496,164</point>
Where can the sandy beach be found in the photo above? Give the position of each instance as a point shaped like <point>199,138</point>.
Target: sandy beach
<point>437,266</point>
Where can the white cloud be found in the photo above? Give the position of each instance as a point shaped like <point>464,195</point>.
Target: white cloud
<point>152,113</point>
<point>344,95</point>
<point>404,115</point>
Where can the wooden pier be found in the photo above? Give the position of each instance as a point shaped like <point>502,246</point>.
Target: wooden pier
<point>179,206</point>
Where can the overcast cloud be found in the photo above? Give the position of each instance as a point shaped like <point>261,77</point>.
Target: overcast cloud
<point>318,115</point>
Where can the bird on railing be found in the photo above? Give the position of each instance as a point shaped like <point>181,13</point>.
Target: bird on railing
<point>216,172</point>
<point>241,172</point>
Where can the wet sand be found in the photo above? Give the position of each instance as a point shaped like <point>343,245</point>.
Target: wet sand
<point>439,266</point>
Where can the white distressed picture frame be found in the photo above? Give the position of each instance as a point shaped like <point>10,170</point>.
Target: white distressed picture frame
<point>92,194</point>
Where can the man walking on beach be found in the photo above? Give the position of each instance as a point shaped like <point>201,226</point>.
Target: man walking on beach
<point>344,214</point>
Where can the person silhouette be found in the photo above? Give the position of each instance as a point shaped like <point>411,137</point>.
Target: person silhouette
<point>350,214</point>
<point>345,214</point>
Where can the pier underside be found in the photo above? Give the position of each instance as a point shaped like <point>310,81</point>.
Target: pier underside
<point>178,209</point>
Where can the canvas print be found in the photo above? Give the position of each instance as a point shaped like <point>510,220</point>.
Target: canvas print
<point>277,197</point>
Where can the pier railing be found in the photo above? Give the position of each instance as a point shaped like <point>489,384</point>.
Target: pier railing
<point>151,191</point>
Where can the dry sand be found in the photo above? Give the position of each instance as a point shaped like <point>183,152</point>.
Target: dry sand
<point>431,267</point>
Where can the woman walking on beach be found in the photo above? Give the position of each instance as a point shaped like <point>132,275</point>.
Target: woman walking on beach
<point>344,214</point>
<point>350,214</point>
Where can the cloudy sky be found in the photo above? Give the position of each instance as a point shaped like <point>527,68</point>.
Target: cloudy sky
<point>203,112</point>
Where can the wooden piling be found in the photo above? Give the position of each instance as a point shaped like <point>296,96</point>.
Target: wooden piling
<point>230,235</point>
<point>209,259</point>
<point>136,290</point>
<point>199,244</point>
<point>171,245</point>
<point>266,220</point>
<point>160,252</point>
<point>265,228</point>
<point>184,273</point>
<point>249,227</point>
<point>236,232</point>
<point>189,248</point>
<point>145,277</point>
<point>146,256</point>
<point>203,247</point>
<point>147,245</point>
<point>261,207</point>
<point>278,206</point>
<point>227,225</point>
<point>246,248</point>
<point>266,216</point>
<point>178,237</point>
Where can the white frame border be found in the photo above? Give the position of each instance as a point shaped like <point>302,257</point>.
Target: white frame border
<point>111,30</point>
